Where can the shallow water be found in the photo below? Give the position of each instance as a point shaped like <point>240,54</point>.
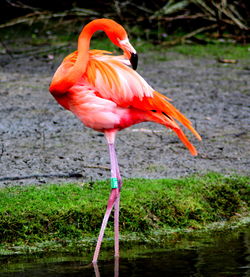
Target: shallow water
<point>226,254</point>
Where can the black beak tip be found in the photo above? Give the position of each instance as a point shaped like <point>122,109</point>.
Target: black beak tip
<point>134,60</point>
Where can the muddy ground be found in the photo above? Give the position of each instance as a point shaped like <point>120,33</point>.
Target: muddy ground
<point>42,143</point>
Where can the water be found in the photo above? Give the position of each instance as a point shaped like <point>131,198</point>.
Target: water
<point>223,255</point>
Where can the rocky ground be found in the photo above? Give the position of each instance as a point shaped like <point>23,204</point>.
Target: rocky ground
<point>42,143</point>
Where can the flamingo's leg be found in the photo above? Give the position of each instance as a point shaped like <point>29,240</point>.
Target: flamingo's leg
<point>96,269</point>
<point>116,224</point>
<point>117,204</point>
<point>114,195</point>
<point>111,201</point>
<point>116,267</point>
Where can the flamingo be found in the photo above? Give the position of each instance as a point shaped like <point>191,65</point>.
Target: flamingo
<point>106,93</point>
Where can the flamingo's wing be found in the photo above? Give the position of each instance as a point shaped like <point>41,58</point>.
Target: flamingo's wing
<point>111,79</point>
<point>115,81</point>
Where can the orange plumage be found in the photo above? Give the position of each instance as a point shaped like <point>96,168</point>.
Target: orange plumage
<point>109,77</point>
<point>106,94</point>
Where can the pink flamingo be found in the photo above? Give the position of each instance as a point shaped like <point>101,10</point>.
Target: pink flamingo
<point>107,95</point>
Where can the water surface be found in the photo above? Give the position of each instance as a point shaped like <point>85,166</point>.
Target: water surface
<point>225,254</point>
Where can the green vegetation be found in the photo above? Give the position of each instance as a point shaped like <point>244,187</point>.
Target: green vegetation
<point>218,50</point>
<point>213,49</point>
<point>52,214</point>
<point>39,41</point>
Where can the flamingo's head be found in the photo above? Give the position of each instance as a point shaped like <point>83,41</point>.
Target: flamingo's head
<point>129,52</point>
<point>119,37</point>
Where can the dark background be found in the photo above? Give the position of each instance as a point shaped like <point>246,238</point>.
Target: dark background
<point>225,18</point>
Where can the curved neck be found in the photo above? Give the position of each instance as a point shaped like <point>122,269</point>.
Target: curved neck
<point>62,81</point>
<point>106,25</point>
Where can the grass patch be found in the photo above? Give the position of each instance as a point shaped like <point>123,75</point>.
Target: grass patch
<point>30,215</point>
<point>217,50</point>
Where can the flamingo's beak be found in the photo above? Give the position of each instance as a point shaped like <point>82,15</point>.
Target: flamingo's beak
<point>129,52</point>
<point>134,60</point>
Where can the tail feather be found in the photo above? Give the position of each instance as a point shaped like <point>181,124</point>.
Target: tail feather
<point>163,112</point>
<point>171,124</point>
<point>170,109</point>
<point>185,141</point>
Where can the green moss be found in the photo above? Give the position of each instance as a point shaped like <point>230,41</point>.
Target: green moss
<point>73,212</point>
<point>217,50</point>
